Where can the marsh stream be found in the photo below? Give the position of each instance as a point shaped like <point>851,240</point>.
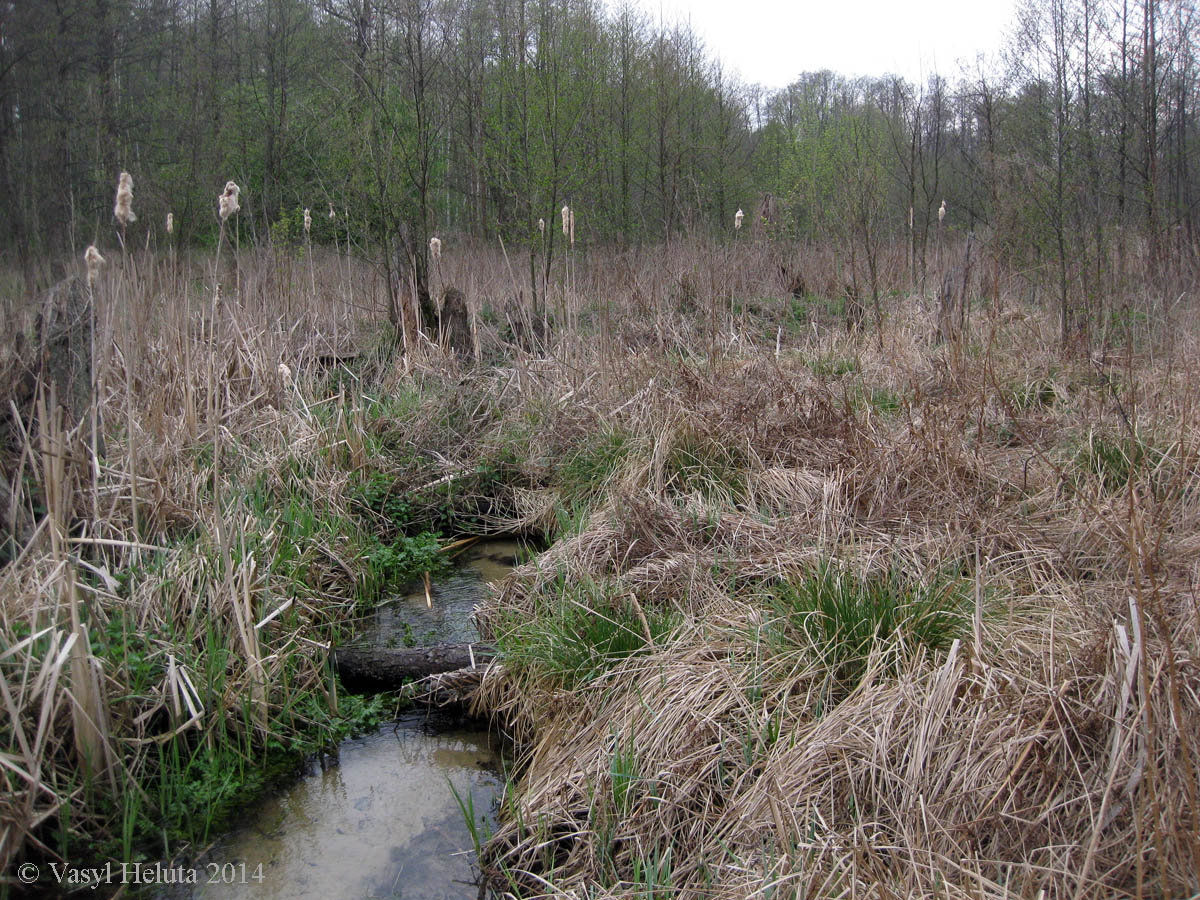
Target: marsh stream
<point>381,821</point>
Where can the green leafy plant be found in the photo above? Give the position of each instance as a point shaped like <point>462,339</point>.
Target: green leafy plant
<point>833,366</point>
<point>882,401</point>
<point>801,311</point>
<point>712,468</point>
<point>380,495</point>
<point>1037,393</point>
<point>477,824</point>
<point>397,564</point>
<point>652,875</point>
<point>625,775</point>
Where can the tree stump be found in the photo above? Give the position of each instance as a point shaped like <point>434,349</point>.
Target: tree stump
<point>64,336</point>
<point>60,359</point>
<point>456,324</point>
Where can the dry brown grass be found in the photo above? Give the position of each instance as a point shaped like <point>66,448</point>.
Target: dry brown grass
<point>1052,750</point>
<point>160,545</point>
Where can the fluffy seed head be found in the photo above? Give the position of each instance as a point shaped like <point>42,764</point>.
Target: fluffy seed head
<point>170,223</point>
<point>542,225</point>
<point>332,214</point>
<point>566,216</point>
<point>435,247</point>
<point>123,208</point>
<point>571,217</point>
<point>941,212</point>
<point>93,260</point>
<point>307,220</point>
<point>227,203</point>
<point>285,373</point>
<point>737,220</point>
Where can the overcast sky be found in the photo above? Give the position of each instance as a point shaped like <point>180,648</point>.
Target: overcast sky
<point>770,42</point>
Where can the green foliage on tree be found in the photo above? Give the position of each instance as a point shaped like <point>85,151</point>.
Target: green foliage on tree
<point>1074,157</point>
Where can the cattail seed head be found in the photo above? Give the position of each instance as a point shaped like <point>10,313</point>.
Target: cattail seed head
<point>285,373</point>
<point>170,223</point>
<point>123,208</point>
<point>332,214</point>
<point>93,260</point>
<point>941,212</point>
<point>307,220</point>
<point>566,214</point>
<point>435,247</point>
<point>542,225</point>
<point>737,220</point>
<point>227,203</point>
<point>571,217</point>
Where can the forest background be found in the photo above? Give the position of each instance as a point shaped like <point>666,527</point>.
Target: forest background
<point>1072,155</point>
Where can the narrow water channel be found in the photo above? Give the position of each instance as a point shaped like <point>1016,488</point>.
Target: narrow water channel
<point>382,821</point>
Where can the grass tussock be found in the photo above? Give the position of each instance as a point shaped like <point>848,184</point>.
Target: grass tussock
<point>579,631</point>
<point>849,621</point>
<point>823,611</point>
<point>920,639</point>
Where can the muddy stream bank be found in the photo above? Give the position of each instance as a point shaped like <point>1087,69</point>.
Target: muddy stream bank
<point>381,820</point>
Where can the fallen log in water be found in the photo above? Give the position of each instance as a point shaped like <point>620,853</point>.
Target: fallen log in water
<point>448,689</point>
<point>387,669</point>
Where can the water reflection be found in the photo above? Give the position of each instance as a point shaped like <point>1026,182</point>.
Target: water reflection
<point>383,823</point>
<point>410,619</point>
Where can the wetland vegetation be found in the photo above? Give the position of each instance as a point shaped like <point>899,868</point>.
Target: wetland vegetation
<point>850,429</point>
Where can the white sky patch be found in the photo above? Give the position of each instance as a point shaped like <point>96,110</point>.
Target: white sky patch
<point>770,43</point>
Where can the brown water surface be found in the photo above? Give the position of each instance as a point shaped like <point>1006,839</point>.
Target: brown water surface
<point>448,619</point>
<point>382,821</point>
